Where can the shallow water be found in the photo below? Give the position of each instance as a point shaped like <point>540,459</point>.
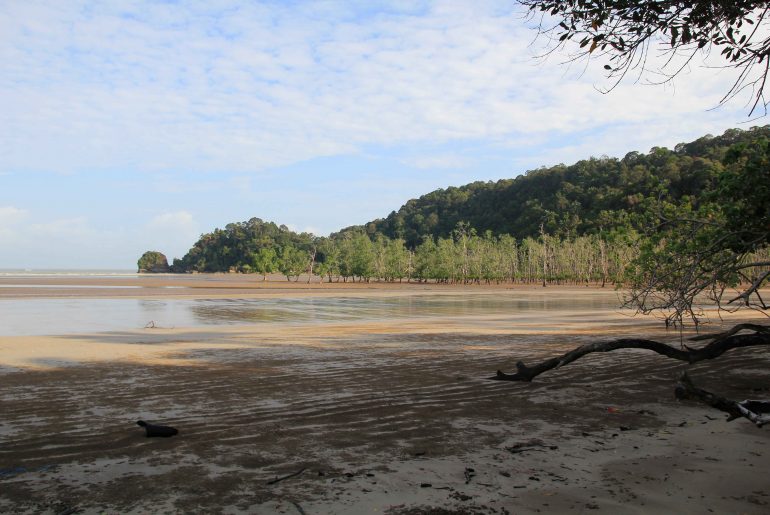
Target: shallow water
<point>49,316</point>
<point>69,273</point>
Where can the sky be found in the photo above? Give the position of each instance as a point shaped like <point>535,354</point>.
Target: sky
<point>128,126</point>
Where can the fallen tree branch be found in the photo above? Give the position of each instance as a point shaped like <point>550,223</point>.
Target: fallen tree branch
<point>719,345</point>
<point>734,330</point>
<point>289,476</point>
<point>756,411</point>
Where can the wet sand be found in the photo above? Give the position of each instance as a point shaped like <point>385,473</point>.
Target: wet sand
<point>215,286</point>
<point>392,416</point>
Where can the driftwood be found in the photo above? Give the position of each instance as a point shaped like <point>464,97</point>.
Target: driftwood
<point>720,343</point>
<point>531,445</point>
<point>753,410</point>
<point>289,476</point>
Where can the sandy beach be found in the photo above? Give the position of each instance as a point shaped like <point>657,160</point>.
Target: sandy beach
<point>393,416</point>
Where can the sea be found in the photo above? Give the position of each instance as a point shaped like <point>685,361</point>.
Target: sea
<point>65,272</point>
<point>30,316</point>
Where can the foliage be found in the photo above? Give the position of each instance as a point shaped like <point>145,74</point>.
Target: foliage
<point>624,33</point>
<point>593,196</point>
<point>293,261</point>
<point>153,261</point>
<point>717,247</point>
<point>674,224</point>
<point>251,246</point>
<point>464,257</point>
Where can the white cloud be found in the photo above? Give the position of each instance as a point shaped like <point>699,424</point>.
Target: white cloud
<point>172,233</point>
<point>438,161</point>
<point>77,242</point>
<point>10,217</point>
<point>64,228</point>
<point>70,242</point>
<point>227,86</point>
<point>176,221</point>
<point>192,100</point>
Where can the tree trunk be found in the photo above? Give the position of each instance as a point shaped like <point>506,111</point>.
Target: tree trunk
<point>756,411</point>
<point>720,344</point>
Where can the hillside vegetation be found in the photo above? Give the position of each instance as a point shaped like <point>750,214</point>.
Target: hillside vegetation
<point>579,223</point>
<point>588,197</point>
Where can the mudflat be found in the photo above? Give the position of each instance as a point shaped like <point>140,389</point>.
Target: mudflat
<point>369,415</point>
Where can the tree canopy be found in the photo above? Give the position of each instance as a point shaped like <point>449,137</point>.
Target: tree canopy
<point>592,196</point>
<point>663,37</point>
<point>153,261</point>
<point>716,247</point>
<point>672,224</point>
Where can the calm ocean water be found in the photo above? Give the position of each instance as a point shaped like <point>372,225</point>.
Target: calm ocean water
<point>62,272</point>
<point>52,316</point>
<point>34,316</point>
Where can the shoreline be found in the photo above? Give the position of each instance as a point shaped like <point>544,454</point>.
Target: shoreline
<point>227,285</point>
<point>379,416</point>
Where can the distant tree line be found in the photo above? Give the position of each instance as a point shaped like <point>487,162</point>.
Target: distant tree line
<point>585,223</point>
<point>465,257</point>
<point>589,197</point>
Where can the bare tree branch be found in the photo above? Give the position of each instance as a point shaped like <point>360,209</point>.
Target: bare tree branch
<point>716,348</point>
<point>756,411</point>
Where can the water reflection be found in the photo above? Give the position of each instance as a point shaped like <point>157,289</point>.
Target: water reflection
<point>301,310</point>
<point>63,316</point>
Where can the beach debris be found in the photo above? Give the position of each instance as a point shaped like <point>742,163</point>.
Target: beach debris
<point>757,411</point>
<point>153,430</point>
<point>469,474</point>
<point>15,471</point>
<point>288,476</point>
<point>151,325</point>
<point>460,496</point>
<point>299,508</point>
<point>720,343</point>
<point>425,485</point>
<point>531,445</point>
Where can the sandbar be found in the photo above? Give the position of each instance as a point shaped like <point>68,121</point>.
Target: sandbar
<point>371,416</point>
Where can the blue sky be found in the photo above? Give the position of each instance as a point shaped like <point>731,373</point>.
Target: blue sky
<point>136,125</point>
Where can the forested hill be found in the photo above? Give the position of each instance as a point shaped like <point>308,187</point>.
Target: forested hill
<point>583,198</point>
<point>580,220</point>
